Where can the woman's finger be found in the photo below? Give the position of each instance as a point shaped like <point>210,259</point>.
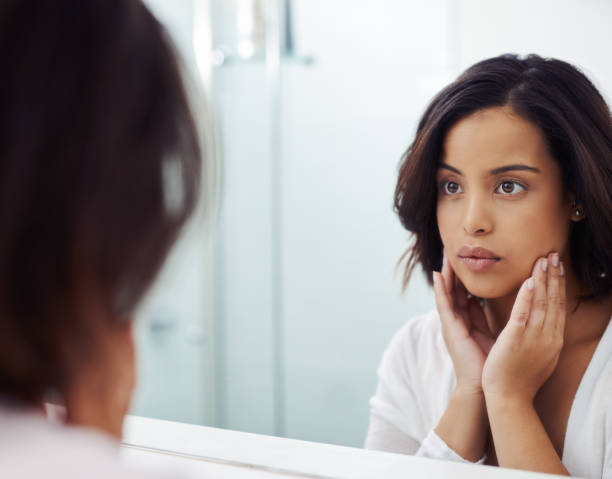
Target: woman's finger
<point>540,300</point>
<point>521,310</point>
<point>447,274</point>
<point>456,291</point>
<point>562,303</point>
<point>448,318</point>
<point>441,295</point>
<point>553,310</point>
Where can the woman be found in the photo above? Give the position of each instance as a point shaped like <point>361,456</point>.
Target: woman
<point>506,188</point>
<point>99,170</point>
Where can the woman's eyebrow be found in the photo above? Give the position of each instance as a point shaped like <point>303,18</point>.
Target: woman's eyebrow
<point>518,167</point>
<point>448,167</point>
<point>496,171</point>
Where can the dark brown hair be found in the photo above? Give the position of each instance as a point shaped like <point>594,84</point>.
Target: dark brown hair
<point>99,170</point>
<point>576,123</point>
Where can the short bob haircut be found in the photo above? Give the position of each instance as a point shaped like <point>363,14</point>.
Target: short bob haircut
<point>100,168</point>
<point>576,123</point>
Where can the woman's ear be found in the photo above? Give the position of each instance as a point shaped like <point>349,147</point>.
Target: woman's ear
<point>576,209</point>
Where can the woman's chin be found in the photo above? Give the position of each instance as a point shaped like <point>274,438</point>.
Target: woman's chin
<point>488,289</point>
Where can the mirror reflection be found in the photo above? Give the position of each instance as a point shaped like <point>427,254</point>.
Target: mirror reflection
<point>277,324</point>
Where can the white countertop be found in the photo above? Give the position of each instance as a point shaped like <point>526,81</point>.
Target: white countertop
<point>199,451</point>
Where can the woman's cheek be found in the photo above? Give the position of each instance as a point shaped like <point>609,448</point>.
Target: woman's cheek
<point>449,221</point>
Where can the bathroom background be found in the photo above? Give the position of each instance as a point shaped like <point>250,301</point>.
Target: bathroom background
<point>272,315</point>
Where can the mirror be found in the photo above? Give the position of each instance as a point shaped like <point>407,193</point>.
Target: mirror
<point>276,322</point>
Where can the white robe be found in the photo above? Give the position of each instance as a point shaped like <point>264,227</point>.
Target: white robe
<point>416,379</point>
<point>31,446</point>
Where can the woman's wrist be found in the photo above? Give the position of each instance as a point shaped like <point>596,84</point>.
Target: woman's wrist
<point>507,403</point>
<point>471,400</point>
<point>468,390</point>
<point>464,424</point>
<point>521,441</point>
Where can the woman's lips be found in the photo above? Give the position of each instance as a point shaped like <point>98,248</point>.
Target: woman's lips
<point>478,264</point>
<point>477,258</point>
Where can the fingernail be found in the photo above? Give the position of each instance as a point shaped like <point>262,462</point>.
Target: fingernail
<point>555,260</point>
<point>435,277</point>
<point>530,284</point>
<point>544,264</point>
<point>561,269</point>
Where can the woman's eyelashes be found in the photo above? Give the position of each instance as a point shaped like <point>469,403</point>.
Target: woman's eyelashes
<point>505,188</point>
<point>510,187</point>
<point>450,187</point>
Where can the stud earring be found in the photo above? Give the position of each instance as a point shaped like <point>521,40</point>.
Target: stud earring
<point>577,211</point>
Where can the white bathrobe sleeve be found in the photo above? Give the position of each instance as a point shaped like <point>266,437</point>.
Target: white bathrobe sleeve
<point>415,379</point>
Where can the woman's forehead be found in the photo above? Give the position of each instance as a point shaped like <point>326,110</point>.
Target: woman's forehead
<point>493,138</point>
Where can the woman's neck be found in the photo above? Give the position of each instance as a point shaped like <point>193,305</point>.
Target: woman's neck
<point>497,311</point>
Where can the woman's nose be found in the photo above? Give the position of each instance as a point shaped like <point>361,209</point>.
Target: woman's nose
<point>477,219</point>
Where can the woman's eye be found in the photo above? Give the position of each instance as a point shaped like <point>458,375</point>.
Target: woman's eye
<point>509,188</point>
<point>451,188</point>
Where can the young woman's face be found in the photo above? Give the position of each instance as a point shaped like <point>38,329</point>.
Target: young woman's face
<point>501,203</point>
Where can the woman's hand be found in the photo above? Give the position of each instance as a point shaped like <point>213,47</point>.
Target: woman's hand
<point>464,424</point>
<point>522,359</point>
<point>527,350</point>
<point>464,328</point>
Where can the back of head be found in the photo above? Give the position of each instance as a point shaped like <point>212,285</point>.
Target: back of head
<point>99,170</point>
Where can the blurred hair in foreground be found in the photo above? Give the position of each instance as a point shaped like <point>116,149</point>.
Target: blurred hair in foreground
<point>100,167</point>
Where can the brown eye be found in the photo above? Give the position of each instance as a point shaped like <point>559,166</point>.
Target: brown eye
<point>510,188</point>
<point>451,188</point>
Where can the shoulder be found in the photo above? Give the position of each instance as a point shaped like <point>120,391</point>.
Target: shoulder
<point>597,380</point>
<point>38,448</point>
<point>592,421</point>
<point>417,344</point>
<point>419,335</point>
<point>424,326</point>
<point>589,429</point>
